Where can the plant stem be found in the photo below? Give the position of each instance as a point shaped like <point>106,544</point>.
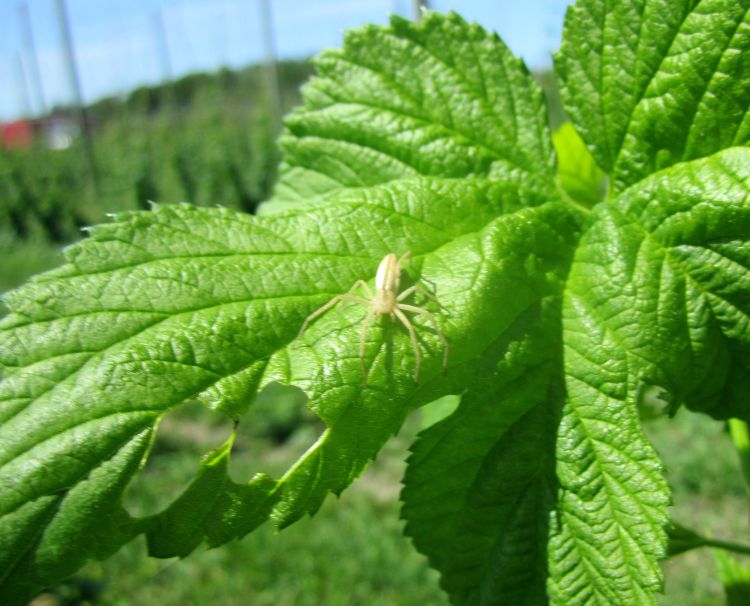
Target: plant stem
<point>682,539</point>
<point>727,545</point>
<point>738,429</point>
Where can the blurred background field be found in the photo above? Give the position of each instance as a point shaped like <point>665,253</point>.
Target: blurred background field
<point>209,138</point>
<point>205,138</point>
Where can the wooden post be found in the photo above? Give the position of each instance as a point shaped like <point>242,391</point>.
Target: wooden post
<point>32,73</point>
<point>417,6</point>
<point>272,78</point>
<point>75,83</point>
<point>23,86</point>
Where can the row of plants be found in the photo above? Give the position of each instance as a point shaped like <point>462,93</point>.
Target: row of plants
<point>206,138</point>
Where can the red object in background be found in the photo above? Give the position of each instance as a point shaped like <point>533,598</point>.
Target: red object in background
<point>17,135</point>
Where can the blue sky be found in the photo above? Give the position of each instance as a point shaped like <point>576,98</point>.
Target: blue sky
<point>115,41</point>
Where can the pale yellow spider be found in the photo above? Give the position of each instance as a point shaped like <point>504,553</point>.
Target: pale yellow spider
<point>387,302</point>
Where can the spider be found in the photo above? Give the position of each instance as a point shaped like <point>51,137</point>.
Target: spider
<point>387,302</point>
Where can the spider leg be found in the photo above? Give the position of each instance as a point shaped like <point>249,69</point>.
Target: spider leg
<point>321,310</point>
<point>433,321</point>
<point>364,286</point>
<point>404,257</point>
<point>406,293</point>
<point>362,337</point>
<point>421,290</point>
<point>413,336</point>
<point>354,299</point>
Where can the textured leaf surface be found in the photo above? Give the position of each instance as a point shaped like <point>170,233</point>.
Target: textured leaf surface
<point>443,98</point>
<point>650,83</point>
<point>181,303</point>
<point>481,484</point>
<point>431,138</point>
<point>620,337</point>
<point>675,253</point>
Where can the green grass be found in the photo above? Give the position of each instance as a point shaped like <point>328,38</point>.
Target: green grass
<point>709,497</point>
<point>351,553</point>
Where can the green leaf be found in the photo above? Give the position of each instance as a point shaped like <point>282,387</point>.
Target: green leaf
<point>608,531</point>
<point>442,98</point>
<point>47,534</point>
<point>667,258</point>
<point>427,138</point>
<point>438,410</point>
<point>627,298</point>
<point>673,261</point>
<point>180,303</point>
<point>665,269</point>
<point>480,485</point>
<point>577,171</point>
<point>650,83</point>
<point>159,308</point>
<point>212,509</point>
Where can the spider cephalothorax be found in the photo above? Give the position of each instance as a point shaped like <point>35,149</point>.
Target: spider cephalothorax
<point>386,301</point>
